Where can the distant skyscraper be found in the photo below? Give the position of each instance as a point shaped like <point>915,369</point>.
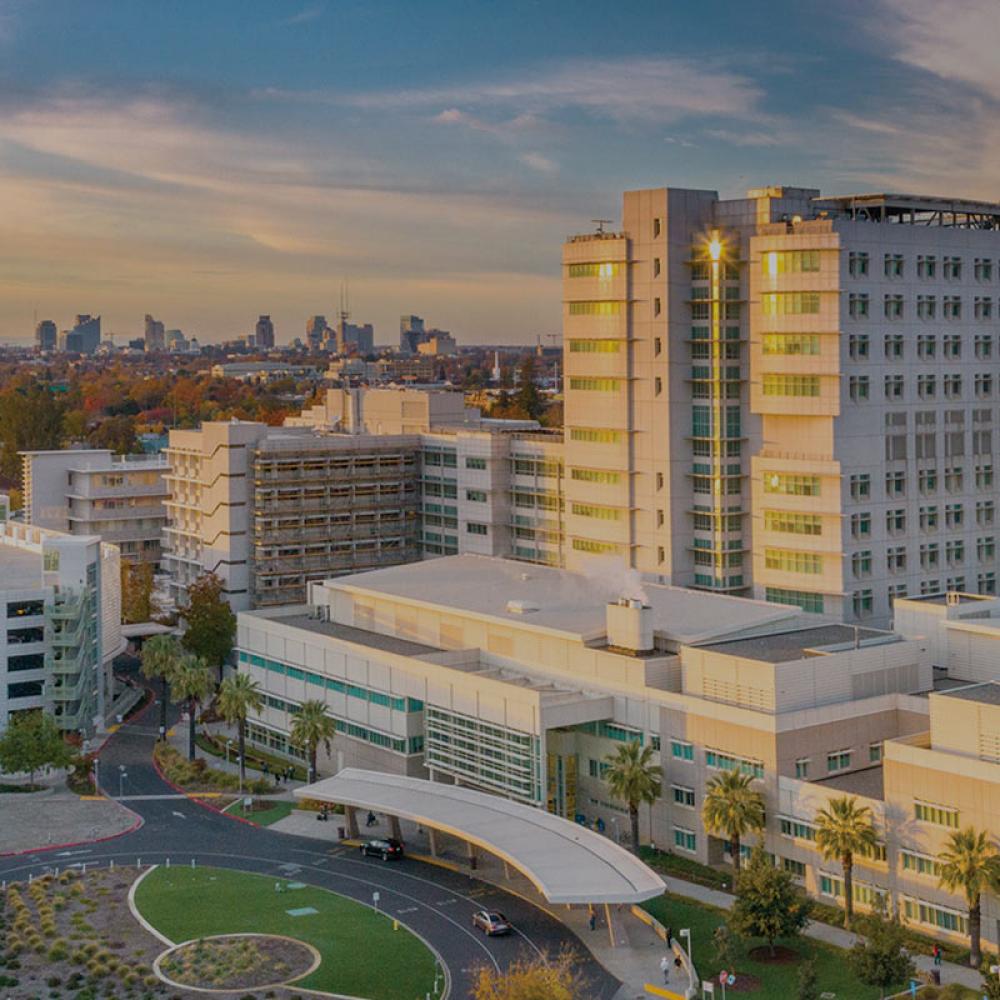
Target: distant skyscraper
<point>46,335</point>
<point>354,337</point>
<point>411,333</point>
<point>264,333</point>
<point>315,328</point>
<point>155,337</point>
<point>84,337</point>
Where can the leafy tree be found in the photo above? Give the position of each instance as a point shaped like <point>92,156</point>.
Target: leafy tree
<point>807,987</point>
<point>192,684</point>
<point>238,696</point>
<point>31,419</point>
<point>137,592</point>
<point>528,399</point>
<point>768,903</point>
<point>969,863</point>
<point>733,807</point>
<point>30,741</point>
<point>530,979</point>
<point>879,959</point>
<point>991,982</point>
<point>633,779</point>
<point>844,829</point>
<point>116,433</point>
<point>725,943</point>
<point>310,728</point>
<point>211,624</point>
<point>161,656</point>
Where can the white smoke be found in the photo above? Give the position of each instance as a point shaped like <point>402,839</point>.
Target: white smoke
<point>610,576</point>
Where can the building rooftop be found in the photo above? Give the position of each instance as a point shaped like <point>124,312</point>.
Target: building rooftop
<point>987,693</point>
<point>916,208</point>
<point>868,782</point>
<point>950,597</point>
<point>819,640</point>
<point>556,599</point>
<point>20,568</point>
<point>360,636</point>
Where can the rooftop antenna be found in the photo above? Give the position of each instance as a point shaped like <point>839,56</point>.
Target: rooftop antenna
<point>601,223</point>
<point>345,301</point>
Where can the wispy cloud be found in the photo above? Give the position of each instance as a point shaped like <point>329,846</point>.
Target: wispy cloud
<point>310,13</point>
<point>661,89</point>
<point>956,40</point>
<point>543,164</point>
<point>738,137</point>
<point>502,128</point>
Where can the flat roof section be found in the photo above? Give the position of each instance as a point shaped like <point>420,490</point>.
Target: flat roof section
<point>21,568</point>
<point>572,603</point>
<point>800,643</point>
<point>950,597</point>
<point>566,862</point>
<point>869,782</point>
<point>360,636</point>
<point>987,693</point>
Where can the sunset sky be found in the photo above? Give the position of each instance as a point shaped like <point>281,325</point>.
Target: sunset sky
<point>207,161</point>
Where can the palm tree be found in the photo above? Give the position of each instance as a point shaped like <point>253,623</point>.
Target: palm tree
<point>238,696</point>
<point>192,683</point>
<point>311,727</point>
<point>844,829</point>
<point>633,779</point>
<point>733,807</point>
<point>970,863</point>
<point>160,656</point>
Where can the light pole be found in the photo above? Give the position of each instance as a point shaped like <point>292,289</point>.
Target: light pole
<point>229,744</point>
<point>685,932</point>
<point>97,776</point>
<point>614,829</point>
<point>122,775</point>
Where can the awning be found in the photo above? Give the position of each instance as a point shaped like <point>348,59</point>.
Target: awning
<point>566,862</point>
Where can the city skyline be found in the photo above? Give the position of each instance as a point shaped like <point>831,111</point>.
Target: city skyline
<point>246,162</point>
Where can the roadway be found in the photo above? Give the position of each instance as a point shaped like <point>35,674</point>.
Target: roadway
<point>435,903</point>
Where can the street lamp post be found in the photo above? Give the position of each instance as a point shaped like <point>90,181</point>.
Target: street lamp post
<point>97,776</point>
<point>122,775</point>
<point>685,932</point>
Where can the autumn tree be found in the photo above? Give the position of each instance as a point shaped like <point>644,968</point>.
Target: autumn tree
<point>530,979</point>
<point>211,624</point>
<point>137,592</point>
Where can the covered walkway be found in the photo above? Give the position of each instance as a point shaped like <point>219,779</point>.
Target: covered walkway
<point>566,862</point>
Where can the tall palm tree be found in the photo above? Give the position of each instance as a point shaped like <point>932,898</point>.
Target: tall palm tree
<point>160,656</point>
<point>238,696</point>
<point>633,779</point>
<point>310,728</point>
<point>844,829</point>
<point>733,807</point>
<point>970,864</point>
<point>192,684</point>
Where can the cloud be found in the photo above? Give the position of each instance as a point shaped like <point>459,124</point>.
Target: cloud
<point>311,13</point>
<point>504,128</point>
<point>539,162</point>
<point>662,89</point>
<point>735,137</point>
<point>955,41</point>
<point>677,141</point>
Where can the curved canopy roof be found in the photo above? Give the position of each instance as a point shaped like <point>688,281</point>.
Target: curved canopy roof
<point>566,862</point>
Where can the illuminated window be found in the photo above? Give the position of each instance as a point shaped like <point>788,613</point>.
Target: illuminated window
<point>595,346</point>
<point>595,435</point>
<point>802,486</point>
<point>790,343</point>
<point>793,561</point>
<point>796,524</point>
<point>598,308</point>
<point>789,303</point>
<point>595,476</point>
<point>595,510</point>
<point>602,269</point>
<point>777,262</point>
<point>595,384</point>
<point>791,385</point>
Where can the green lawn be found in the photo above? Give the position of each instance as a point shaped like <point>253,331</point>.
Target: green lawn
<point>264,817</point>
<point>362,955</point>
<point>778,982</point>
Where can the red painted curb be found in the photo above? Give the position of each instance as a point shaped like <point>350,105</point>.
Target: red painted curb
<point>191,796</point>
<point>78,843</point>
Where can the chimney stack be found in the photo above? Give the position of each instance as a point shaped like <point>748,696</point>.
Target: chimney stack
<point>630,625</point>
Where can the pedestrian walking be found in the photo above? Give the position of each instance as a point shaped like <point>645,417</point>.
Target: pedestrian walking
<point>937,955</point>
<point>670,937</point>
<point>665,968</point>
<point>593,920</point>
<point>267,767</point>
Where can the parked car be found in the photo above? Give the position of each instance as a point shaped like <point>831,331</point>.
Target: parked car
<point>388,849</point>
<point>491,922</point>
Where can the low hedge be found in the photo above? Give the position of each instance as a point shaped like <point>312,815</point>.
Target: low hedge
<point>196,775</point>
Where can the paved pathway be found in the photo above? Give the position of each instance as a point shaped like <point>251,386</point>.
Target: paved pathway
<point>30,821</point>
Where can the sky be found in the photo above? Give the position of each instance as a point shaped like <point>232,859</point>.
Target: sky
<point>210,161</point>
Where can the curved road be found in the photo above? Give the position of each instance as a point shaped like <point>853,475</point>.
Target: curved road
<point>435,903</point>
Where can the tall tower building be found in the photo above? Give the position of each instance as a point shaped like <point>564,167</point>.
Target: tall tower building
<point>786,396</point>
<point>411,333</point>
<point>315,330</point>
<point>155,335</point>
<point>264,333</point>
<point>46,335</point>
